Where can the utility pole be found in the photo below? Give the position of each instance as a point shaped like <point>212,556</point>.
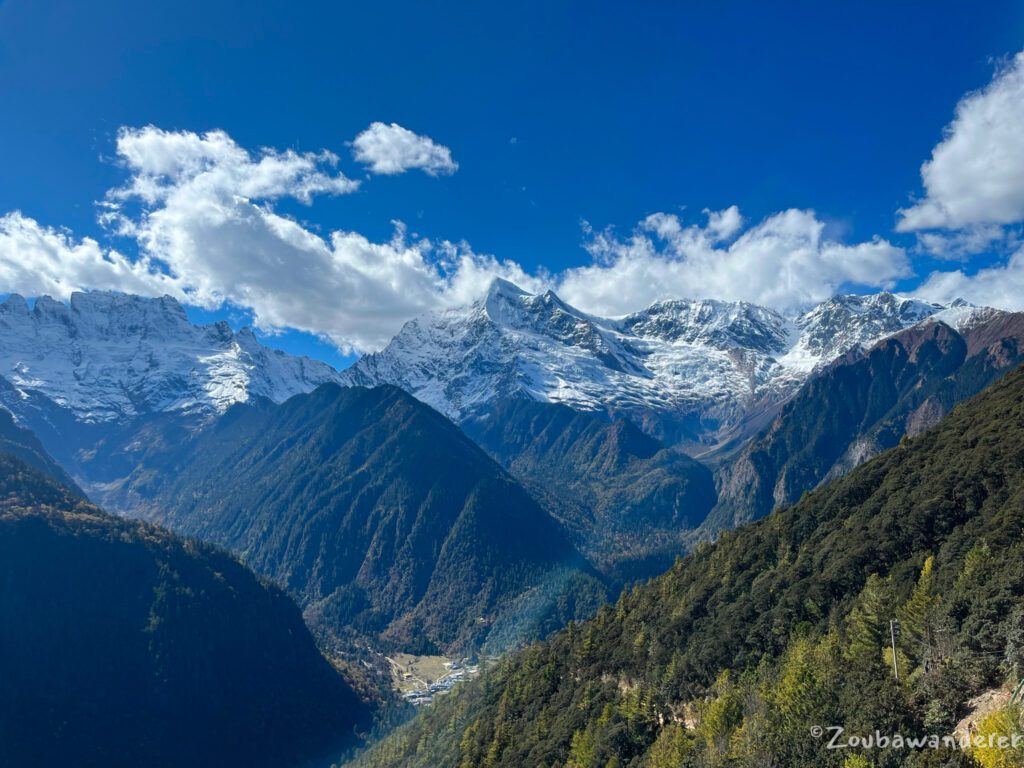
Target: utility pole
<point>894,632</point>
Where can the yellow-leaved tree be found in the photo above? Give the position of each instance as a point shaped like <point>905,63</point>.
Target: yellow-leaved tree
<point>1002,739</point>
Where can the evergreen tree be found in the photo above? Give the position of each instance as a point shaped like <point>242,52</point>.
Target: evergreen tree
<point>915,616</point>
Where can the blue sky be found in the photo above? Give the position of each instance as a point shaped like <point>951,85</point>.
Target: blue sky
<point>556,114</point>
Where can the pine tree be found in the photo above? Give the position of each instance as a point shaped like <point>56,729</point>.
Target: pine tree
<point>866,626</point>
<point>975,564</point>
<point>671,749</point>
<point>916,614</point>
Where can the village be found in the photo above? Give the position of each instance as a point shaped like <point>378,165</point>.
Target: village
<point>419,679</point>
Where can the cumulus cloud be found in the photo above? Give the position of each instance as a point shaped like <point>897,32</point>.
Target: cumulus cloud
<point>206,218</point>
<point>961,244</point>
<point>201,211</point>
<point>164,163</point>
<point>974,201</point>
<point>391,149</point>
<point>976,173</point>
<point>784,262</point>
<point>996,286</point>
<point>37,260</point>
<point>722,225</point>
<point>202,207</point>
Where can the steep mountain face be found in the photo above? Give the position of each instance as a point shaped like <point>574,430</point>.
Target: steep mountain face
<point>20,443</point>
<point>101,378</point>
<point>111,357</point>
<point>736,653</point>
<point>97,379</point>
<point>699,373</point>
<point>865,403</point>
<point>121,645</point>
<point>379,515</point>
<point>845,323</point>
<point>626,498</point>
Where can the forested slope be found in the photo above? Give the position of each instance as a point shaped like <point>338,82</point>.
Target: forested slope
<point>122,645</point>
<point>863,404</point>
<point>625,497</point>
<point>734,654</point>
<point>381,517</point>
<point>22,444</point>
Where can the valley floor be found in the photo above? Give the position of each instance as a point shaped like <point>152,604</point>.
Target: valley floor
<point>420,678</point>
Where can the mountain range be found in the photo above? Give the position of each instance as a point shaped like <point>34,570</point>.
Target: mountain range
<point>101,377</point>
<point>494,474</point>
<point>863,403</point>
<point>732,656</point>
<point>110,357</point>
<point>385,523</point>
<point>701,374</point>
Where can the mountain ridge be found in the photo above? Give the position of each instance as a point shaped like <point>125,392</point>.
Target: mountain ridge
<point>377,513</point>
<point>696,373</point>
<point>863,403</point>
<point>627,499</point>
<point>124,645</point>
<point>107,357</point>
<point>783,624</point>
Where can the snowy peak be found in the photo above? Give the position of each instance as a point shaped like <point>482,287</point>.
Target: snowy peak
<point>688,371</point>
<point>848,322</point>
<point>503,298</point>
<point>963,316</point>
<point>508,306</point>
<point>720,324</point>
<point>843,322</point>
<point>109,356</point>
<point>100,315</point>
<point>537,319</point>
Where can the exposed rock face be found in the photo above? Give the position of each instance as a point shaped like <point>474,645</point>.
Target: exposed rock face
<point>863,404</point>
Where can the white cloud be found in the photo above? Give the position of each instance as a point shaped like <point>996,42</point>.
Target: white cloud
<point>961,244</point>
<point>203,207</point>
<point>37,260</point>
<point>204,214</point>
<point>997,286</point>
<point>976,173</point>
<point>468,275</point>
<point>722,225</point>
<point>391,149</point>
<point>163,163</point>
<point>974,202</point>
<point>783,262</point>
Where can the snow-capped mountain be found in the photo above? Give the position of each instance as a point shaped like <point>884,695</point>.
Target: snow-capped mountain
<point>107,357</point>
<point>699,372</point>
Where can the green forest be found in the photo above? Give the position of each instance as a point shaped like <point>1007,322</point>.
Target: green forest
<point>123,645</point>
<point>788,624</point>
